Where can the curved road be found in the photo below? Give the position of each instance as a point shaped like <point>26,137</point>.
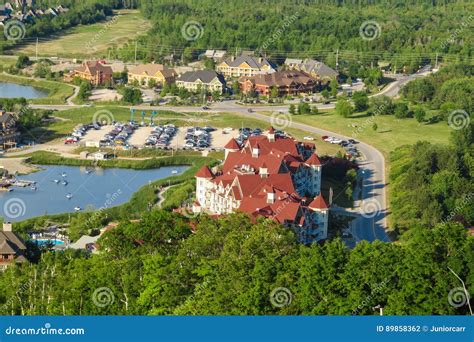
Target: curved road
<point>370,212</point>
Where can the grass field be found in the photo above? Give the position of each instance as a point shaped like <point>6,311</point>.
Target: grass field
<point>91,40</point>
<point>58,92</point>
<point>391,132</point>
<point>73,117</point>
<point>6,62</point>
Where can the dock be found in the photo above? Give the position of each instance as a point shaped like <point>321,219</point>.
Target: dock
<point>23,183</point>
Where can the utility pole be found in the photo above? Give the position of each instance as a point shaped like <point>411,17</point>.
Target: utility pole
<point>436,63</point>
<point>136,46</point>
<point>36,49</point>
<point>337,60</point>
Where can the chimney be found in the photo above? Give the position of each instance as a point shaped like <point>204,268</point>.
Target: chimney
<point>232,58</point>
<point>260,60</point>
<point>271,197</point>
<point>255,151</point>
<point>271,134</point>
<point>7,227</point>
<point>263,171</point>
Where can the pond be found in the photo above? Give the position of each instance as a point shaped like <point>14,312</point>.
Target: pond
<point>12,90</point>
<point>64,189</point>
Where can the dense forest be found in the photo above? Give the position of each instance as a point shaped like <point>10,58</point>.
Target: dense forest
<point>433,183</point>
<point>407,29</point>
<point>452,88</point>
<point>232,266</point>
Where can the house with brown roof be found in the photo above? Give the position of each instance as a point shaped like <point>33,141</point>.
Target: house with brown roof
<point>275,177</point>
<point>9,134</point>
<point>285,82</point>
<point>315,69</point>
<point>209,80</point>
<point>94,72</point>
<point>12,247</point>
<point>245,66</point>
<point>143,73</point>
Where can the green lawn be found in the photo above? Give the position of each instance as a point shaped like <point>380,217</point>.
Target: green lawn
<point>6,62</point>
<point>391,132</point>
<point>77,42</point>
<point>73,117</point>
<point>58,92</point>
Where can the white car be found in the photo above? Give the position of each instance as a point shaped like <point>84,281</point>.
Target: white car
<point>228,130</point>
<point>335,141</point>
<point>308,138</point>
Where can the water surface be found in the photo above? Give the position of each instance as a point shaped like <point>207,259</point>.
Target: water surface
<point>97,189</point>
<point>12,90</point>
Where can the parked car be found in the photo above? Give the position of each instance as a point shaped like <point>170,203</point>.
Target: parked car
<point>308,138</point>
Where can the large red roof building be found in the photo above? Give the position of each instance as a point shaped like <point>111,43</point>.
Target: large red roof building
<point>274,177</point>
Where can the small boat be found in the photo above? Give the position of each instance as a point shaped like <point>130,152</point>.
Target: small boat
<point>64,182</point>
<point>69,196</point>
<point>64,174</point>
<point>174,172</point>
<point>56,181</point>
<point>88,171</point>
<point>77,208</point>
<point>33,188</point>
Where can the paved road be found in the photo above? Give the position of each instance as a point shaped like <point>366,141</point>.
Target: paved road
<point>370,222</point>
<point>371,210</point>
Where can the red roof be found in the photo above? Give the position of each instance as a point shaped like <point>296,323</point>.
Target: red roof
<point>232,145</point>
<point>318,203</point>
<point>313,160</point>
<point>204,172</point>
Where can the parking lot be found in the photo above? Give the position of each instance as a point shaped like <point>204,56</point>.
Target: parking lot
<point>126,136</point>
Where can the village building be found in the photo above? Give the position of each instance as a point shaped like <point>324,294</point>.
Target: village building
<point>315,69</point>
<point>9,134</point>
<point>144,73</point>
<point>215,55</point>
<point>94,72</point>
<point>12,247</point>
<point>274,177</point>
<point>285,82</point>
<point>245,65</point>
<point>195,81</point>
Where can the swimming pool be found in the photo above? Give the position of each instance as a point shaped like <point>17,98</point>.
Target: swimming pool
<point>42,242</point>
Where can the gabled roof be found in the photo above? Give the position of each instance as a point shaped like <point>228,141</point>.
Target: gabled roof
<point>319,68</point>
<point>10,243</point>
<point>253,62</point>
<point>232,145</point>
<point>206,76</point>
<point>313,160</point>
<point>152,69</point>
<point>94,67</point>
<point>318,203</point>
<point>283,78</point>
<point>204,172</point>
